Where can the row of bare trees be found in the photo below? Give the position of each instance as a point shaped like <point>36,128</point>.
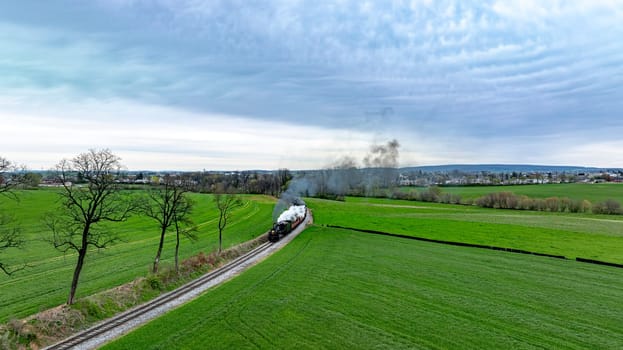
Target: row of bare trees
<point>169,206</point>
<point>509,200</point>
<point>85,207</point>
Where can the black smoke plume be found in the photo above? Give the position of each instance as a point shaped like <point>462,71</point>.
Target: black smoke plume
<point>383,156</point>
<point>343,177</point>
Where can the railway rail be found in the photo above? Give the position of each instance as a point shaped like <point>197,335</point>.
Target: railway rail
<point>141,312</point>
<point>126,321</point>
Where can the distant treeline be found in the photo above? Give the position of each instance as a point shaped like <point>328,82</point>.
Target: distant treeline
<point>374,182</point>
<point>337,183</point>
<point>242,182</point>
<point>245,182</point>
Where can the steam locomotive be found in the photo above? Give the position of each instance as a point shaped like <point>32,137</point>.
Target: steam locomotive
<point>287,222</point>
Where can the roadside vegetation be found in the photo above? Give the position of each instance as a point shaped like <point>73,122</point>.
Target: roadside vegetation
<point>52,325</point>
<point>340,289</point>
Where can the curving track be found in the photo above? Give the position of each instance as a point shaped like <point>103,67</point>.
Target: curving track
<point>142,311</point>
<point>130,319</point>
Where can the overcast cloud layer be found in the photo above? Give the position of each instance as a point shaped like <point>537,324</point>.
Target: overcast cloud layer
<point>190,85</point>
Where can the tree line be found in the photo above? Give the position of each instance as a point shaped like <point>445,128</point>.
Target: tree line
<point>92,195</point>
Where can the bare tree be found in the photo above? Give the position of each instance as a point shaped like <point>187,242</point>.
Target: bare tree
<point>77,224</point>
<point>8,181</point>
<point>225,203</point>
<point>169,206</point>
<point>10,236</point>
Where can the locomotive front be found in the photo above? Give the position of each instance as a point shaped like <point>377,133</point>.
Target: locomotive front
<point>287,221</point>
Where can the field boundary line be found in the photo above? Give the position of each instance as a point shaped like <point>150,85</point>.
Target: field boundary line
<point>459,244</point>
<point>598,262</point>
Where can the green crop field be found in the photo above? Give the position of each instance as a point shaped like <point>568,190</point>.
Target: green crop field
<point>589,236</point>
<point>45,282</point>
<point>339,289</point>
<point>591,192</point>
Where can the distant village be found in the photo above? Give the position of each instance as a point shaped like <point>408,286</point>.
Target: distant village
<point>458,178</point>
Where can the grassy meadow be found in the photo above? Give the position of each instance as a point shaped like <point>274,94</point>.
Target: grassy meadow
<point>45,282</point>
<point>340,289</point>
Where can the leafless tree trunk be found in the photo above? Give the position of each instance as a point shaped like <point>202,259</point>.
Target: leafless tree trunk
<point>168,205</point>
<point>225,202</point>
<point>84,206</point>
<point>183,227</point>
<point>177,246</point>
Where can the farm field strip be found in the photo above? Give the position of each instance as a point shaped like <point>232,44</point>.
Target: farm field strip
<point>571,235</point>
<point>577,224</point>
<point>340,289</point>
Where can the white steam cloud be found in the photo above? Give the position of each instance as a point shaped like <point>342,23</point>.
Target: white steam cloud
<point>293,213</point>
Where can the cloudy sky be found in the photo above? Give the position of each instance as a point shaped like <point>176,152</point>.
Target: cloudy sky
<point>190,85</point>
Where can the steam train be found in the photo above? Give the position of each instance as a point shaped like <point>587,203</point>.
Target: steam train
<point>287,222</point>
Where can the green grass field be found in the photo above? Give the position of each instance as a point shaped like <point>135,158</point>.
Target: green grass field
<point>334,288</point>
<point>589,236</point>
<point>591,192</point>
<point>338,289</point>
<point>45,283</point>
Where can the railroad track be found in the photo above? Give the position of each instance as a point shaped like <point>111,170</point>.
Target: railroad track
<point>136,313</point>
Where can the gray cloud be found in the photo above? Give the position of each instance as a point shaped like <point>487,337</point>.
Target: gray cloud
<point>447,69</point>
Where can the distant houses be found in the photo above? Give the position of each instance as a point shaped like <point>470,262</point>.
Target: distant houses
<point>459,178</point>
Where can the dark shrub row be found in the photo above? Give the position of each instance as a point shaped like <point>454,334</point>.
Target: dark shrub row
<point>610,207</point>
<point>509,200</point>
